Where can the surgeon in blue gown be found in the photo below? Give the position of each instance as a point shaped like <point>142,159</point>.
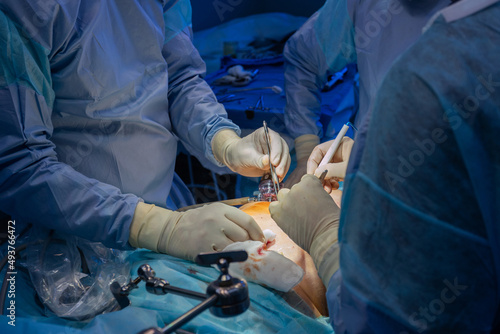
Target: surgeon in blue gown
<point>371,34</point>
<point>419,236</point>
<point>94,97</point>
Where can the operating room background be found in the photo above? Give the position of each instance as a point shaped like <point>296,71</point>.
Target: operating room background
<point>207,14</point>
<point>205,185</point>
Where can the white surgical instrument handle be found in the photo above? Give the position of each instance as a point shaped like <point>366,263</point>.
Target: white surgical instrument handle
<point>336,143</point>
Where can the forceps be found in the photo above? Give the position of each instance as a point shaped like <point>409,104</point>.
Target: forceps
<point>274,176</point>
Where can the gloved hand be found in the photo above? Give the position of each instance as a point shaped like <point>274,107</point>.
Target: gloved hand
<point>186,234</point>
<point>304,145</point>
<point>248,156</point>
<point>310,217</point>
<point>337,168</point>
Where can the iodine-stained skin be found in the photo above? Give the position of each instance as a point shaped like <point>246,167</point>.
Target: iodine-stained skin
<point>337,196</point>
<point>311,288</point>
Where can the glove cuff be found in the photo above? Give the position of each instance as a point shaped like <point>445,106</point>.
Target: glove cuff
<point>325,252</point>
<point>152,227</point>
<point>304,145</point>
<point>220,144</point>
<point>138,222</point>
<point>164,238</point>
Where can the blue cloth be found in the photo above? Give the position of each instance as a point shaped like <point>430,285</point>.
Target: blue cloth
<point>268,312</point>
<point>370,33</point>
<point>420,232</point>
<point>94,96</point>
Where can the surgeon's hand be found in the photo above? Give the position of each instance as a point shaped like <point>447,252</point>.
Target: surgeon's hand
<point>248,155</point>
<point>305,211</point>
<point>336,168</point>
<point>310,217</point>
<point>304,145</point>
<point>186,234</point>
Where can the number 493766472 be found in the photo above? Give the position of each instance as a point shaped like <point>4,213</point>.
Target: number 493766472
<point>11,230</point>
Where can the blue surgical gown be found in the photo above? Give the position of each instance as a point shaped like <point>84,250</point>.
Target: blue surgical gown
<point>370,33</point>
<point>420,226</point>
<point>94,96</point>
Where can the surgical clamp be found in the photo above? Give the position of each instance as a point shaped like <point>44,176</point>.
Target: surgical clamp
<point>276,182</point>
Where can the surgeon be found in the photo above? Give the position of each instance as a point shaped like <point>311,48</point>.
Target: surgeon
<point>94,96</point>
<point>419,236</point>
<point>371,34</point>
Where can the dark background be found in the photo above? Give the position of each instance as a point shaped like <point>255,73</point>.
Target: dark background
<point>205,14</point>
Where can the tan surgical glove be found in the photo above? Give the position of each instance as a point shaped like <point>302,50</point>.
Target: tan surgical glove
<point>310,217</point>
<point>248,156</point>
<point>336,168</point>
<point>186,234</point>
<point>304,145</point>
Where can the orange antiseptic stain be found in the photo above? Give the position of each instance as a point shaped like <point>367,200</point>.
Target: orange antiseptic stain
<point>247,271</point>
<point>256,208</point>
<point>254,259</point>
<point>256,267</point>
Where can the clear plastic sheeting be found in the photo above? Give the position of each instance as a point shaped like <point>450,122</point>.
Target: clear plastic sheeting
<point>72,275</point>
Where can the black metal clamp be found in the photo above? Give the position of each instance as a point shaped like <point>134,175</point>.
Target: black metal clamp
<point>225,297</point>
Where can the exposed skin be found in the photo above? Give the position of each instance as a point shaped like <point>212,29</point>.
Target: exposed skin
<point>337,196</point>
<point>311,289</point>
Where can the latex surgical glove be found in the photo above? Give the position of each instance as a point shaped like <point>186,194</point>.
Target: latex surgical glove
<point>186,234</point>
<point>338,165</point>
<point>310,217</point>
<point>248,155</point>
<point>304,145</point>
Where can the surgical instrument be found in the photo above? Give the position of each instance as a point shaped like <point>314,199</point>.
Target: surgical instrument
<point>250,111</point>
<point>231,202</point>
<point>225,297</point>
<point>339,76</point>
<point>264,194</point>
<point>258,105</point>
<point>262,103</point>
<point>275,178</point>
<point>267,190</point>
<point>276,89</point>
<point>335,145</point>
<point>230,98</point>
<point>323,175</point>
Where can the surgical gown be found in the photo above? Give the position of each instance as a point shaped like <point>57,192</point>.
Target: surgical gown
<point>94,96</point>
<point>370,33</point>
<point>420,226</point>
